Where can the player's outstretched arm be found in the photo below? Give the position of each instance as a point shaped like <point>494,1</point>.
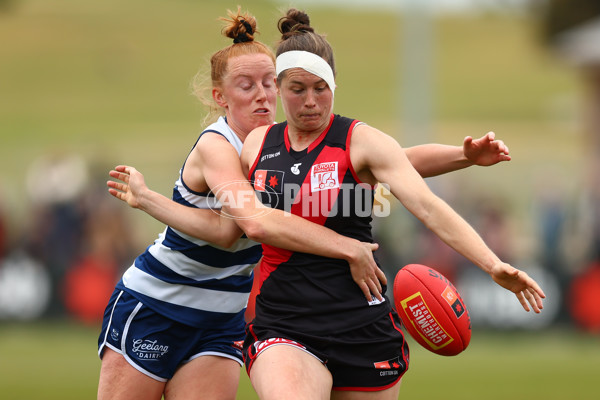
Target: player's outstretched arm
<point>384,159</point>
<point>129,186</point>
<point>437,159</point>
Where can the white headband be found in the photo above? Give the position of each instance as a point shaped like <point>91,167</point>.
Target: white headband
<point>309,62</point>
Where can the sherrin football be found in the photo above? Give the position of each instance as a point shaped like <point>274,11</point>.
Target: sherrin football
<point>432,310</point>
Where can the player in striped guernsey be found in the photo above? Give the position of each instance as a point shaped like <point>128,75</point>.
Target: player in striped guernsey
<point>174,324</point>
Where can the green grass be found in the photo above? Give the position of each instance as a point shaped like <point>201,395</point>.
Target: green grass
<point>58,360</point>
<point>541,365</point>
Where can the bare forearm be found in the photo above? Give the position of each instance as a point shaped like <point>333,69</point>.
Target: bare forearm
<point>459,235</point>
<point>436,159</point>
<point>203,224</point>
<point>294,233</point>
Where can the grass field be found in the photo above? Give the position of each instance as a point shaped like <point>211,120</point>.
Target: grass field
<point>58,360</point>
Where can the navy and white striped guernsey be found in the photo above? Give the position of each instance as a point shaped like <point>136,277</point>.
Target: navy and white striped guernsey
<point>189,280</point>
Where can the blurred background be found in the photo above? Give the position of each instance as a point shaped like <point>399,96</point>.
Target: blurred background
<point>87,85</point>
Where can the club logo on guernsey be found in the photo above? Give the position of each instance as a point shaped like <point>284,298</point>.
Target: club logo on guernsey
<point>324,176</point>
<point>148,349</point>
<point>268,180</point>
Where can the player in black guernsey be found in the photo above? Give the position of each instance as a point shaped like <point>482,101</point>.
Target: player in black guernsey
<point>318,184</point>
<point>310,300</point>
<point>316,335</point>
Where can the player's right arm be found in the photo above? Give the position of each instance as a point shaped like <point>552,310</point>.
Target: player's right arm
<point>204,224</point>
<point>221,169</point>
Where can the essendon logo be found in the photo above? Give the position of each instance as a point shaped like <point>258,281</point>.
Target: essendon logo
<point>394,363</point>
<point>424,322</point>
<point>268,180</point>
<point>454,301</point>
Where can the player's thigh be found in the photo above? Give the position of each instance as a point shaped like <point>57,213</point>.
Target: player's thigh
<point>285,372</point>
<point>205,377</point>
<point>390,393</point>
<point>120,381</point>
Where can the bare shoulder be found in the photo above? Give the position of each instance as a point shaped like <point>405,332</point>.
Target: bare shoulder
<point>369,145</point>
<point>211,152</point>
<point>212,144</point>
<point>252,146</point>
<point>256,137</point>
<point>366,133</point>
<point>209,139</point>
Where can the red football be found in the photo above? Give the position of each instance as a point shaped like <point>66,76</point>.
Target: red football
<point>432,310</point>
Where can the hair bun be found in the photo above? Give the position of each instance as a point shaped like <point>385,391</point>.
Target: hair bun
<point>239,27</point>
<point>244,35</point>
<point>294,22</point>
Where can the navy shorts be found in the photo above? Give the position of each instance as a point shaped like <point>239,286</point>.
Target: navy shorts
<point>156,345</point>
<point>370,358</point>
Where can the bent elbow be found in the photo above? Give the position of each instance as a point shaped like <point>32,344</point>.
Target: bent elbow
<point>254,230</point>
<point>228,241</point>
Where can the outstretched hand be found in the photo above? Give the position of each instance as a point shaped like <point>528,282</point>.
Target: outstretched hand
<point>366,273</point>
<point>526,289</point>
<point>131,187</point>
<point>486,150</point>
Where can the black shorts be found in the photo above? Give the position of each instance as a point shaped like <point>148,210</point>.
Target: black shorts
<point>370,358</point>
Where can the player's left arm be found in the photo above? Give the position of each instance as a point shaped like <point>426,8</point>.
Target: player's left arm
<point>436,159</point>
<point>377,157</point>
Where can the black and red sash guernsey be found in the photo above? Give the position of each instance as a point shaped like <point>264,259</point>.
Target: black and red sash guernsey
<point>300,290</point>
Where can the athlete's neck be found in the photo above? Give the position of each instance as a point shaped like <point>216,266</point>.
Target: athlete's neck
<point>237,130</point>
<point>302,139</point>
